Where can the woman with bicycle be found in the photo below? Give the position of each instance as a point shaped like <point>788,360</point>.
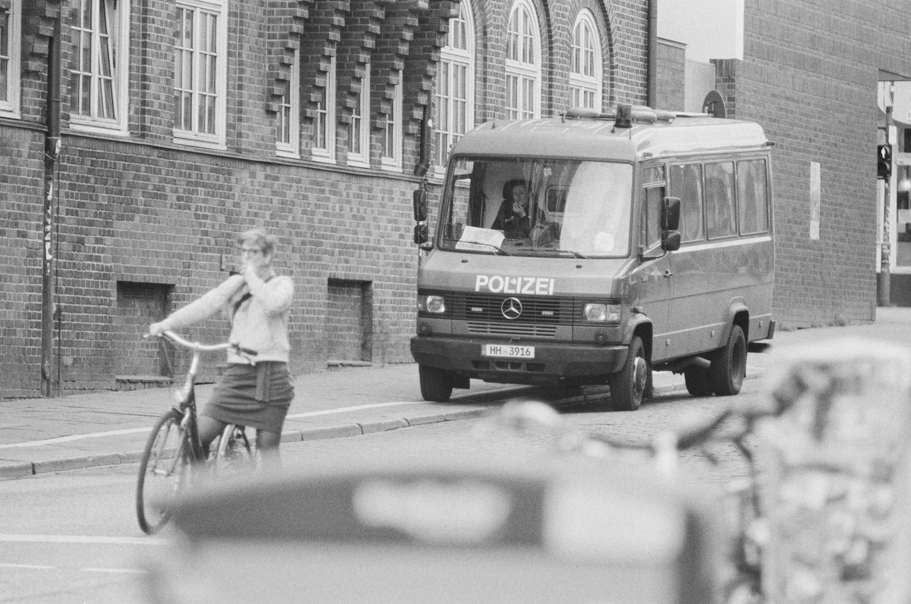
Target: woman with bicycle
<point>254,392</point>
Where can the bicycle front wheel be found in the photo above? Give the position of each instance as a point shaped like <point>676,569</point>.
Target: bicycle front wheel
<point>162,472</point>
<point>235,454</point>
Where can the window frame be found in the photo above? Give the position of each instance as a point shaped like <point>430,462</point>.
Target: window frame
<point>193,137</point>
<point>523,77</point>
<point>391,148</point>
<point>118,35</point>
<point>580,82</point>
<point>9,107</point>
<point>711,226</point>
<point>287,119</point>
<point>674,191</point>
<point>359,126</point>
<point>324,123</point>
<point>741,209</point>
<point>454,93</point>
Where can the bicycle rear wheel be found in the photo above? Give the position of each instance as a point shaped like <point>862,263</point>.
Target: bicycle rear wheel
<point>234,456</point>
<point>162,472</point>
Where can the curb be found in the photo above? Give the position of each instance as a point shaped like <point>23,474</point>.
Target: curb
<point>19,469</point>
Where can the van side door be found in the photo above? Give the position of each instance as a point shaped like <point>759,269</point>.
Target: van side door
<point>653,277</point>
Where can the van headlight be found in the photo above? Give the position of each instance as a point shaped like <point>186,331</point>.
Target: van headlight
<point>598,312</point>
<point>432,303</point>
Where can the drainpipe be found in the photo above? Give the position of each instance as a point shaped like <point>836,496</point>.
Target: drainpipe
<point>652,76</point>
<point>51,153</point>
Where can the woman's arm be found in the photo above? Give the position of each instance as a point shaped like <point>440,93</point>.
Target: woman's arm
<point>202,308</point>
<point>275,295</point>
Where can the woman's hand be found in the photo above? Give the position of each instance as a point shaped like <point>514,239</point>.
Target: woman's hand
<point>155,330</point>
<point>518,209</point>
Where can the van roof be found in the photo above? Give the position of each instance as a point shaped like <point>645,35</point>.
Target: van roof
<point>594,136</point>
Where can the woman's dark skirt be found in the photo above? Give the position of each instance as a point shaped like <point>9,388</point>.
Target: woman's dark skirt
<point>257,396</point>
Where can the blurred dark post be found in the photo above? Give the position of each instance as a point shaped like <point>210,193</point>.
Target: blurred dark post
<point>837,466</point>
<point>51,155</point>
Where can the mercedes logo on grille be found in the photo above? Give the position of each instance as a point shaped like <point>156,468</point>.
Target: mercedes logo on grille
<point>511,308</point>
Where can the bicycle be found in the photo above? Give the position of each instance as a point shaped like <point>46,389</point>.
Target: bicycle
<point>173,450</point>
<point>741,581</point>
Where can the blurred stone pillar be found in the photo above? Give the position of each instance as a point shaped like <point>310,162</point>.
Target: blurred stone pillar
<point>836,474</point>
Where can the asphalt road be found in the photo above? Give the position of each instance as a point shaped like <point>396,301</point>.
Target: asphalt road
<point>72,537</point>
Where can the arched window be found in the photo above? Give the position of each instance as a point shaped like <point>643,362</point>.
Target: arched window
<point>455,85</point>
<point>585,63</point>
<point>523,63</point>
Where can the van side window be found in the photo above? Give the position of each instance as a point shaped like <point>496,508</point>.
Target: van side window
<point>719,200</point>
<point>652,198</point>
<point>686,183</point>
<point>752,196</point>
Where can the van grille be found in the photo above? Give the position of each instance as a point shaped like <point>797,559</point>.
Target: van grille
<point>540,315</point>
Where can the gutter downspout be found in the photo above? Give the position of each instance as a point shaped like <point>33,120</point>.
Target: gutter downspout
<point>652,71</point>
<point>51,155</point>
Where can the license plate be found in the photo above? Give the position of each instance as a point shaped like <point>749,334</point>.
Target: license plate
<point>508,351</point>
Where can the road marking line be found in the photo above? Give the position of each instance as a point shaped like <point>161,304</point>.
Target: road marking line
<point>82,539</point>
<point>27,566</point>
<point>128,571</point>
<point>65,439</point>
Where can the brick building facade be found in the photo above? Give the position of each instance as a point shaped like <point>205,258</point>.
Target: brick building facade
<point>312,128</point>
<point>158,169</point>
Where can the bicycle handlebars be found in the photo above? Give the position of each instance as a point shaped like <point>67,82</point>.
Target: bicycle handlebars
<point>198,346</point>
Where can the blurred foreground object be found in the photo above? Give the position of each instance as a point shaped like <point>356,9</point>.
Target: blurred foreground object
<point>838,478</point>
<point>466,532</point>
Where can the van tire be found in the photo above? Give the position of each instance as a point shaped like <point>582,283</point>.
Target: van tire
<point>729,364</point>
<point>436,384</point>
<point>697,381</point>
<point>628,386</point>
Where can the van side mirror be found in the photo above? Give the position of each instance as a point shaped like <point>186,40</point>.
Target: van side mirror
<point>420,233</point>
<point>419,201</point>
<point>670,214</point>
<point>670,241</point>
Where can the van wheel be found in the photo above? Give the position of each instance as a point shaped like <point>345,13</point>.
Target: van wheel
<point>729,364</point>
<point>628,386</point>
<point>436,384</point>
<point>697,380</point>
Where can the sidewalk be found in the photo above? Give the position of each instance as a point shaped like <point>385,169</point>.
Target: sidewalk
<point>77,431</point>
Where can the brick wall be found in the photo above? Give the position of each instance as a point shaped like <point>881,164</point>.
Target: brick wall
<point>671,75</point>
<point>809,76</point>
<point>142,210</point>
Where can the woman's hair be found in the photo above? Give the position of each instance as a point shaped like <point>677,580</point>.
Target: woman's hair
<point>510,185</point>
<point>260,238</point>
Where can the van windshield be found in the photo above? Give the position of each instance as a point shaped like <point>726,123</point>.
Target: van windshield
<point>538,207</point>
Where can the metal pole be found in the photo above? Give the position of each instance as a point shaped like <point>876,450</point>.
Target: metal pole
<point>884,294</point>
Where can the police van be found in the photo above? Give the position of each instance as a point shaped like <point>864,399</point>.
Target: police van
<point>645,243</point>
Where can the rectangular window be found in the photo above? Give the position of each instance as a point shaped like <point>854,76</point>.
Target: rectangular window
<point>392,132</point>
<point>287,141</point>
<point>324,121</point>
<point>653,198</point>
<point>98,79</point>
<point>719,200</point>
<point>359,129</point>
<point>199,73</point>
<point>753,199</point>
<point>686,184</point>
<point>10,20</point>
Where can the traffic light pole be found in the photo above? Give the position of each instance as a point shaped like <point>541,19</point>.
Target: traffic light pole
<point>883,286</point>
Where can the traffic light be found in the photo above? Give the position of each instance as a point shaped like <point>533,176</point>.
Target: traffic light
<point>884,161</point>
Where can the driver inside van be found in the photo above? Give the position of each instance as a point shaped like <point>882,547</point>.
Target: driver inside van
<point>514,217</point>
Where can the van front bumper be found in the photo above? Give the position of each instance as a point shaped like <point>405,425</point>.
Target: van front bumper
<point>553,363</point>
